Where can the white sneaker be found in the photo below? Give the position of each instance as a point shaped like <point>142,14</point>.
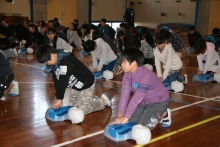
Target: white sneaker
<point>167,120</point>
<point>15,90</point>
<point>185,79</point>
<point>106,99</point>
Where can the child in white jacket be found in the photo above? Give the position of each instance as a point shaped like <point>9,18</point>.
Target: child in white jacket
<point>208,58</point>
<point>102,55</point>
<point>172,63</point>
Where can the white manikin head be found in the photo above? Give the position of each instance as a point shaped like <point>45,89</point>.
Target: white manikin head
<point>76,115</point>
<point>30,50</point>
<point>177,86</point>
<point>108,75</point>
<point>150,67</point>
<point>217,77</point>
<point>141,134</point>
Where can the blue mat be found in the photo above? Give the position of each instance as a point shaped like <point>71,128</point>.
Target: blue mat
<point>83,52</point>
<point>59,114</point>
<point>22,51</point>
<point>203,78</point>
<point>119,132</point>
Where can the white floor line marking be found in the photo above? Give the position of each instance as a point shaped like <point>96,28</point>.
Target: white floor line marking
<point>26,65</point>
<point>78,139</point>
<point>34,82</point>
<point>189,95</point>
<point>100,132</point>
<point>175,109</point>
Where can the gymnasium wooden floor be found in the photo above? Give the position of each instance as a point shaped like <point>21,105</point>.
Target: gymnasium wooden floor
<point>195,112</point>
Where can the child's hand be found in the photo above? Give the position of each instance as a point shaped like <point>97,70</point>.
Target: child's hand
<point>120,120</point>
<point>94,70</point>
<point>161,79</point>
<point>58,103</point>
<point>199,73</point>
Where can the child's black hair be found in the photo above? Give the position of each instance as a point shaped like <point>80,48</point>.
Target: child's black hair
<point>73,25</point>
<point>89,46</point>
<point>144,30</point>
<point>123,25</point>
<point>136,43</point>
<point>160,39</point>
<point>103,20</point>
<point>191,28</point>
<point>32,25</point>
<point>200,46</point>
<point>43,24</point>
<point>55,19</point>
<point>93,27</point>
<point>165,33</point>
<point>132,54</point>
<point>44,52</point>
<point>50,21</point>
<point>215,31</point>
<point>54,31</point>
<point>87,27</point>
<point>76,20</point>
<point>96,34</point>
<point>120,33</point>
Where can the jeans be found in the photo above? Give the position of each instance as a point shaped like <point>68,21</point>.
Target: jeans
<point>110,67</point>
<point>173,77</point>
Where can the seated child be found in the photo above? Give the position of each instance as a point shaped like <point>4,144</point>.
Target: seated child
<point>215,39</point>
<point>172,63</point>
<point>34,40</point>
<point>7,85</point>
<point>71,73</point>
<point>73,37</point>
<point>102,55</point>
<point>208,58</point>
<point>150,98</point>
<point>193,35</point>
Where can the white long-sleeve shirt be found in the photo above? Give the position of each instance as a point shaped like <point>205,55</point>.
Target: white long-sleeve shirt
<point>73,37</point>
<point>169,58</point>
<point>212,59</point>
<point>62,44</point>
<point>103,53</point>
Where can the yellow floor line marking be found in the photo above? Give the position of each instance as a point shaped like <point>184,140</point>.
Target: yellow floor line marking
<point>181,130</point>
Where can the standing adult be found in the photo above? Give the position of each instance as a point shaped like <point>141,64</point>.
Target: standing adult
<point>129,15</point>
